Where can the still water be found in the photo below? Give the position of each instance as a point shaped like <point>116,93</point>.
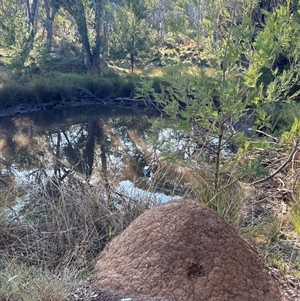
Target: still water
<point>112,147</point>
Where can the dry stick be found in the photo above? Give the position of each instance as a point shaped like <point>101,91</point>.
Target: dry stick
<point>294,185</point>
<point>293,162</point>
<point>280,167</point>
<point>264,133</point>
<point>92,95</point>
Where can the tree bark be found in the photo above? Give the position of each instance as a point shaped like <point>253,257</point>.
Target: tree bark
<point>97,48</point>
<point>50,15</point>
<point>31,12</point>
<point>76,10</point>
<point>162,21</point>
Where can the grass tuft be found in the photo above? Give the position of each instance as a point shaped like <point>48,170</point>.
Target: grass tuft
<point>53,241</point>
<point>29,283</point>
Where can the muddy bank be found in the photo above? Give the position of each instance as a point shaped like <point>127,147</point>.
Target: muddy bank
<point>125,102</point>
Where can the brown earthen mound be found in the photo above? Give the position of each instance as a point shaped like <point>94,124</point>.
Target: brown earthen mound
<point>183,250</point>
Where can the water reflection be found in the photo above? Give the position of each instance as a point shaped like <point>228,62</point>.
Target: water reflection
<point>94,145</point>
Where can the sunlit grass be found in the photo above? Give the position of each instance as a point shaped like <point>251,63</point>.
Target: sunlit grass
<point>29,283</point>
<point>190,70</point>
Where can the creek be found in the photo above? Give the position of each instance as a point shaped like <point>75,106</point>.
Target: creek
<point>97,145</point>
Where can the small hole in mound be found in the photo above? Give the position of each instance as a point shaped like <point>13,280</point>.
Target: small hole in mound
<point>194,270</point>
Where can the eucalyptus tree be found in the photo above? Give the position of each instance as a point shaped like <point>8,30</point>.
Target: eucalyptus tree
<point>160,12</point>
<point>182,18</point>
<point>32,9</point>
<point>20,27</point>
<point>90,48</point>
<point>186,19</point>
<point>50,11</point>
<point>168,17</point>
<point>161,20</point>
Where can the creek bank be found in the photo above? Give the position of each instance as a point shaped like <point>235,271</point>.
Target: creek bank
<point>123,102</point>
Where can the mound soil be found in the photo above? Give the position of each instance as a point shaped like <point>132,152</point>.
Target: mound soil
<point>182,250</point>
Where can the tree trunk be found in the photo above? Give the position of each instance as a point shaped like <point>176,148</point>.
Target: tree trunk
<point>49,22</point>
<point>103,156</point>
<point>97,48</point>
<point>80,19</point>
<point>31,13</point>
<point>76,10</point>
<point>132,61</point>
<point>162,21</point>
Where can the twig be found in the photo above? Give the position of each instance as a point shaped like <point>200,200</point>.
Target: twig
<point>294,185</point>
<point>134,100</point>
<point>266,134</point>
<point>92,95</point>
<point>281,181</point>
<point>293,161</point>
<point>279,168</point>
<point>222,190</point>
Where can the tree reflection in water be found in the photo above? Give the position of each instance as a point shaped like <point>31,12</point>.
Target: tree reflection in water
<point>99,146</point>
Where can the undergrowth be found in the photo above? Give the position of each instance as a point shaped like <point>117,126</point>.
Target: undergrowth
<point>30,283</point>
<point>22,88</point>
<point>49,246</point>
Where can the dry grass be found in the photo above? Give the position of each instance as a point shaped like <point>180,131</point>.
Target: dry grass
<point>29,283</point>
<point>51,244</point>
<point>179,178</point>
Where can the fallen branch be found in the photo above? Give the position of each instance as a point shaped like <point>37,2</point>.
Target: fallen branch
<point>133,100</point>
<point>92,95</point>
<point>264,133</point>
